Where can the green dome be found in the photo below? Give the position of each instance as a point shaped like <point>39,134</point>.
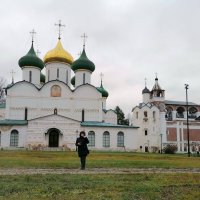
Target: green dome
<point>103,91</point>
<point>83,63</point>
<point>73,81</point>
<point>31,59</point>
<point>42,78</point>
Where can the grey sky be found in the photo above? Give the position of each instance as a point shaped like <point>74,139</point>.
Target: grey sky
<point>128,40</point>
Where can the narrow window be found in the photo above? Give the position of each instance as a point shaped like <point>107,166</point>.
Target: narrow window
<point>145,132</point>
<point>26,114</point>
<point>106,139</point>
<point>57,73</point>
<point>154,114</point>
<point>0,138</point>
<point>83,115</point>
<point>91,138</point>
<point>120,139</point>
<point>55,111</point>
<point>48,75</point>
<point>14,137</point>
<point>136,115</point>
<point>145,113</point>
<point>83,78</point>
<point>67,77</point>
<point>30,76</point>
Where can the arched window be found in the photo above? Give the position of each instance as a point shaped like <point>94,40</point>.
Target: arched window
<point>56,91</point>
<point>91,138</point>
<point>55,111</point>
<point>145,114</point>
<point>83,78</point>
<point>14,137</point>
<point>168,115</point>
<point>57,73</point>
<point>120,139</point>
<point>192,112</point>
<point>30,76</point>
<point>106,139</point>
<point>136,115</point>
<point>26,114</point>
<point>180,113</point>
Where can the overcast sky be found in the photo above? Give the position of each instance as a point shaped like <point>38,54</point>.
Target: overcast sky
<point>128,40</point>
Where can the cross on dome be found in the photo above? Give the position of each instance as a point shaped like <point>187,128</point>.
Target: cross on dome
<point>33,33</point>
<point>145,82</point>
<point>101,76</point>
<point>12,74</point>
<point>59,28</point>
<point>84,36</point>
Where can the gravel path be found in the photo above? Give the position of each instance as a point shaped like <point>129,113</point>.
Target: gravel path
<point>95,171</point>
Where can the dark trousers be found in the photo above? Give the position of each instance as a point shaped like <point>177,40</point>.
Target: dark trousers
<point>83,161</point>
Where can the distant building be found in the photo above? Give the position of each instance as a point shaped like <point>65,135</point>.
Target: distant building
<point>163,122</point>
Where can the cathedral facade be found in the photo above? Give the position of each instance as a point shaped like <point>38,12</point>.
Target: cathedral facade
<point>49,111</point>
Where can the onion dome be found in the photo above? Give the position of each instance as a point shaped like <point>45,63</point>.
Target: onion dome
<point>102,91</point>
<point>31,59</point>
<point>58,54</point>
<point>83,63</point>
<point>73,81</point>
<point>42,78</point>
<point>145,90</point>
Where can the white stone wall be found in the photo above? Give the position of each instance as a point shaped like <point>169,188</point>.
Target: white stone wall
<point>146,97</point>
<point>63,74</point>
<point>36,133</point>
<point>79,77</point>
<point>35,74</point>
<point>2,113</point>
<point>110,117</point>
<point>151,123</point>
<point>40,103</point>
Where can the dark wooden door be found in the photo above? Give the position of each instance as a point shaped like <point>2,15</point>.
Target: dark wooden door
<point>53,138</point>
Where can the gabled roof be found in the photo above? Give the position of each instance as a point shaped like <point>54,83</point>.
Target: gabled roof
<point>54,115</point>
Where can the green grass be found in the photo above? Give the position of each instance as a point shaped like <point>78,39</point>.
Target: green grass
<point>42,159</point>
<point>101,187</point>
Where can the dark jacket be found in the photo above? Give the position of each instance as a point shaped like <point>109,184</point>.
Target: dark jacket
<point>82,148</point>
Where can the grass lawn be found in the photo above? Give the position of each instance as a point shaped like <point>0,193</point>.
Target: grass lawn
<point>44,159</point>
<point>101,187</point>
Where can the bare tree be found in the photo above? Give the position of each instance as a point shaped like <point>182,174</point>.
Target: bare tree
<point>2,85</point>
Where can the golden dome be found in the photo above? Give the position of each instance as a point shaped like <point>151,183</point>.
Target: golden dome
<point>58,54</point>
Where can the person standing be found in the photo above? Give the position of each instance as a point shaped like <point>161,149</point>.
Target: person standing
<point>81,144</point>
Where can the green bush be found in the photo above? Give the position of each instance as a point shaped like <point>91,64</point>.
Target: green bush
<point>170,149</point>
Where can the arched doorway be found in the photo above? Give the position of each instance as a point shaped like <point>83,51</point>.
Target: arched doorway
<point>54,137</point>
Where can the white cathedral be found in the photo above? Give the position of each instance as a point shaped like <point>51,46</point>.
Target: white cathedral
<point>48,111</point>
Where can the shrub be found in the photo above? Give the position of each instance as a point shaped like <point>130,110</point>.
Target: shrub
<point>170,149</point>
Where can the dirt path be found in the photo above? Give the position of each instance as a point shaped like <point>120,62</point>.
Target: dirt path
<point>95,171</point>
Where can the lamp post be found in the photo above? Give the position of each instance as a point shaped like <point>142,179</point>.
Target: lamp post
<point>188,133</point>
<point>161,143</point>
